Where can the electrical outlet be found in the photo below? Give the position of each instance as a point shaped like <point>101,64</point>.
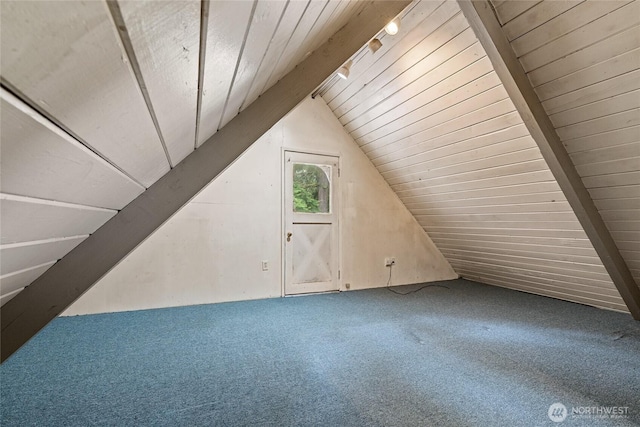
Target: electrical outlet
<point>265,265</point>
<point>388,262</point>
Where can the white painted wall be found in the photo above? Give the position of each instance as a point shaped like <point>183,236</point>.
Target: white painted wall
<point>212,249</point>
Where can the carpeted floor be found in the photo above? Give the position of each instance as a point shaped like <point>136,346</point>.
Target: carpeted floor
<point>458,354</point>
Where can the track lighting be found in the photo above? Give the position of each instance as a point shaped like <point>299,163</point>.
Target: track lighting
<point>374,45</point>
<point>392,27</point>
<point>343,72</point>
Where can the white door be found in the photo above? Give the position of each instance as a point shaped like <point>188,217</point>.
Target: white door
<point>311,223</point>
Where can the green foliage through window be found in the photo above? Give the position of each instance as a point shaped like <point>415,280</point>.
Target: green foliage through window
<point>310,189</point>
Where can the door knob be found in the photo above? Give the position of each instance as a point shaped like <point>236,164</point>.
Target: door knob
<point>289,236</point>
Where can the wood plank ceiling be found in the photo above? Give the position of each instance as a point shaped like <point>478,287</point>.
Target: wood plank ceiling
<point>583,61</point>
<point>435,120</point>
<point>100,99</point>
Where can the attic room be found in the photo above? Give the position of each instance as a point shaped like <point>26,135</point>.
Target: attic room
<point>320,212</point>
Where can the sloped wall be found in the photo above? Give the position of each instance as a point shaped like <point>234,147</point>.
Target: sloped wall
<point>212,249</point>
<point>583,61</point>
<point>434,118</point>
<point>101,132</point>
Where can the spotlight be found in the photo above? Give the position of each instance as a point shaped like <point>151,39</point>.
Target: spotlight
<point>343,72</point>
<point>374,45</point>
<point>393,27</point>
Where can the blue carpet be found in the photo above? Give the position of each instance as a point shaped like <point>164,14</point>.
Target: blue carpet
<point>460,354</point>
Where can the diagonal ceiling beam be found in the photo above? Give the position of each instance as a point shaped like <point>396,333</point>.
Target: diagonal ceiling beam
<point>31,310</point>
<point>485,24</point>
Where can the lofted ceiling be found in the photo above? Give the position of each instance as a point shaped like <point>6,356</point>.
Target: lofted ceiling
<point>434,118</point>
<point>583,61</point>
<point>101,99</point>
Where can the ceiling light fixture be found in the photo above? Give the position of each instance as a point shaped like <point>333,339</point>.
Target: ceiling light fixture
<point>343,72</point>
<point>392,27</point>
<point>374,45</point>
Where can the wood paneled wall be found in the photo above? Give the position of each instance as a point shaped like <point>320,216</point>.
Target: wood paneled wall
<point>583,61</point>
<point>99,100</point>
<point>433,117</point>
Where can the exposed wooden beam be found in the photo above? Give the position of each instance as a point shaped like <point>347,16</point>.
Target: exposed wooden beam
<point>68,279</point>
<point>487,28</point>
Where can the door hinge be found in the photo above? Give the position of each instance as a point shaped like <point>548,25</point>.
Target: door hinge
<point>338,274</point>
<point>338,172</point>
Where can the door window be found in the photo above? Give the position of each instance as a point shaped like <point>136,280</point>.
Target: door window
<point>311,188</point>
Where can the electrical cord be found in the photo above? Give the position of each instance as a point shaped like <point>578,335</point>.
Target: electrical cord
<point>413,291</point>
<point>417,290</point>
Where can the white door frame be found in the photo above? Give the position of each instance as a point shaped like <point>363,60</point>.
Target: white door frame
<point>336,201</point>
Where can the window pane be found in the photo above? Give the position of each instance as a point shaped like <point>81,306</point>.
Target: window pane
<point>311,188</point>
